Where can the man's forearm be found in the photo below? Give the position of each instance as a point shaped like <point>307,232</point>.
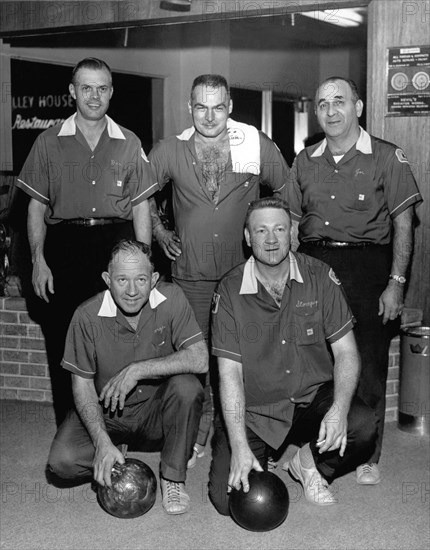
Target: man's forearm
<point>233,402</point>
<point>402,242</point>
<point>89,409</point>
<point>346,371</point>
<point>36,229</point>
<point>193,360</point>
<point>142,222</point>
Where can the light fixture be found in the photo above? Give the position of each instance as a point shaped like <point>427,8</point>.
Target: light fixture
<point>341,17</point>
<point>175,5</point>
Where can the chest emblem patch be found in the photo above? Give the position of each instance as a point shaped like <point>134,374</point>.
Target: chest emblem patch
<point>310,331</point>
<point>333,277</point>
<point>359,172</point>
<point>119,183</point>
<point>215,302</point>
<point>361,197</point>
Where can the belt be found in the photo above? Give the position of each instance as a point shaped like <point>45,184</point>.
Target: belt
<point>89,222</point>
<point>338,244</point>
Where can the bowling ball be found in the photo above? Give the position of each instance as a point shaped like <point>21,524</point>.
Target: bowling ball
<point>133,490</point>
<point>264,507</point>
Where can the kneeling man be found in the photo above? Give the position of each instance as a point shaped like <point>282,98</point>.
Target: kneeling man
<point>273,317</point>
<point>133,352</point>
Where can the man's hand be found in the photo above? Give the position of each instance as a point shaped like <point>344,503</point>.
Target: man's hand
<point>169,242</point>
<point>119,386</point>
<point>105,457</point>
<point>391,302</point>
<point>241,464</point>
<point>42,279</point>
<point>333,428</point>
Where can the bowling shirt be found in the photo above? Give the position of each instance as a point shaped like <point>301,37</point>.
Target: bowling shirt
<point>212,234</point>
<point>354,199</point>
<point>283,350</point>
<point>63,172</point>
<point>100,341</point>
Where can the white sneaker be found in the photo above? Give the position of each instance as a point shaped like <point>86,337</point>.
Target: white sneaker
<point>368,474</point>
<point>315,487</point>
<point>175,499</point>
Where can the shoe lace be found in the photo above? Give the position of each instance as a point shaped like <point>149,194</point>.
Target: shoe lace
<point>173,491</point>
<point>367,468</point>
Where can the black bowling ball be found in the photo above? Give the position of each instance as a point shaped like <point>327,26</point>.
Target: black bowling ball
<point>133,490</point>
<point>264,507</point>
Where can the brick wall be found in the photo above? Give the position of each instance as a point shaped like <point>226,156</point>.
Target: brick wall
<point>24,370</point>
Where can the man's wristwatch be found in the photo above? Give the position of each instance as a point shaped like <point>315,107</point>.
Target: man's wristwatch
<point>398,278</point>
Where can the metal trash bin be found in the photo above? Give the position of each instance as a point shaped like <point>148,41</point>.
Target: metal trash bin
<point>414,395</point>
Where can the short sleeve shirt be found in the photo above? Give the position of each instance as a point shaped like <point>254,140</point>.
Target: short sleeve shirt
<point>63,172</point>
<point>354,199</point>
<point>100,342</point>
<point>212,234</point>
<point>283,350</point>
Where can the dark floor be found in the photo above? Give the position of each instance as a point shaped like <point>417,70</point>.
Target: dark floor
<point>36,515</point>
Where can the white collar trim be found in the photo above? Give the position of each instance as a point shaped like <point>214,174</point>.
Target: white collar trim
<point>363,144</point>
<point>68,128</point>
<point>249,279</point>
<point>110,309</point>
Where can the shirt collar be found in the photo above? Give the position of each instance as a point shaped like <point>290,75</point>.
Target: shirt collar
<point>249,279</point>
<point>363,144</point>
<point>109,307</point>
<point>68,128</point>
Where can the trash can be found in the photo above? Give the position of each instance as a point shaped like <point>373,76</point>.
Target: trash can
<point>414,395</point>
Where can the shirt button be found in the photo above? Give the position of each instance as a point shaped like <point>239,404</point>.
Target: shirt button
<point>283,342</point>
<point>215,234</point>
<point>288,371</point>
<point>93,182</point>
<point>92,156</point>
<point>336,171</point>
<point>216,208</point>
<point>291,398</point>
<point>93,209</point>
<point>139,390</point>
<point>326,223</point>
<point>333,197</point>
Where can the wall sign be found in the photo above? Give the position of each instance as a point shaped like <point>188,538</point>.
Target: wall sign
<point>408,81</point>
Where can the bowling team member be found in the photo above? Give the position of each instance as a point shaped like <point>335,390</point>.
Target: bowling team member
<point>352,197</point>
<point>88,180</point>
<point>133,351</point>
<point>216,168</point>
<point>272,319</point>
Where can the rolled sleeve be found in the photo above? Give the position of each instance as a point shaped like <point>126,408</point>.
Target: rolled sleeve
<point>79,351</point>
<point>337,316</point>
<point>401,190</point>
<point>142,178</point>
<point>34,176</point>
<point>225,337</point>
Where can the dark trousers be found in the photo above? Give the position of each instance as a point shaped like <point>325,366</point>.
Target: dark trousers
<point>167,422</point>
<point>199,294</point>
<point>77,256</point>
<point>306,423</point>
<point>364,275</point>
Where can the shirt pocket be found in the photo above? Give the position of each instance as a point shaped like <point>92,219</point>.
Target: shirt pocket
<point>116,178</point>
<point>309,328</point>
<point>159,338</point>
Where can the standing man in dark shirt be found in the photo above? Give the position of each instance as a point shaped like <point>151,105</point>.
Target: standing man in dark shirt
<point>273,320</point>
<point>88,182</point>
<point>216,168</point>
<point>352,199</point>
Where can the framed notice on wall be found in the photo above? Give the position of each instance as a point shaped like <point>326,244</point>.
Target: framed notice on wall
<point>408,87</point>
